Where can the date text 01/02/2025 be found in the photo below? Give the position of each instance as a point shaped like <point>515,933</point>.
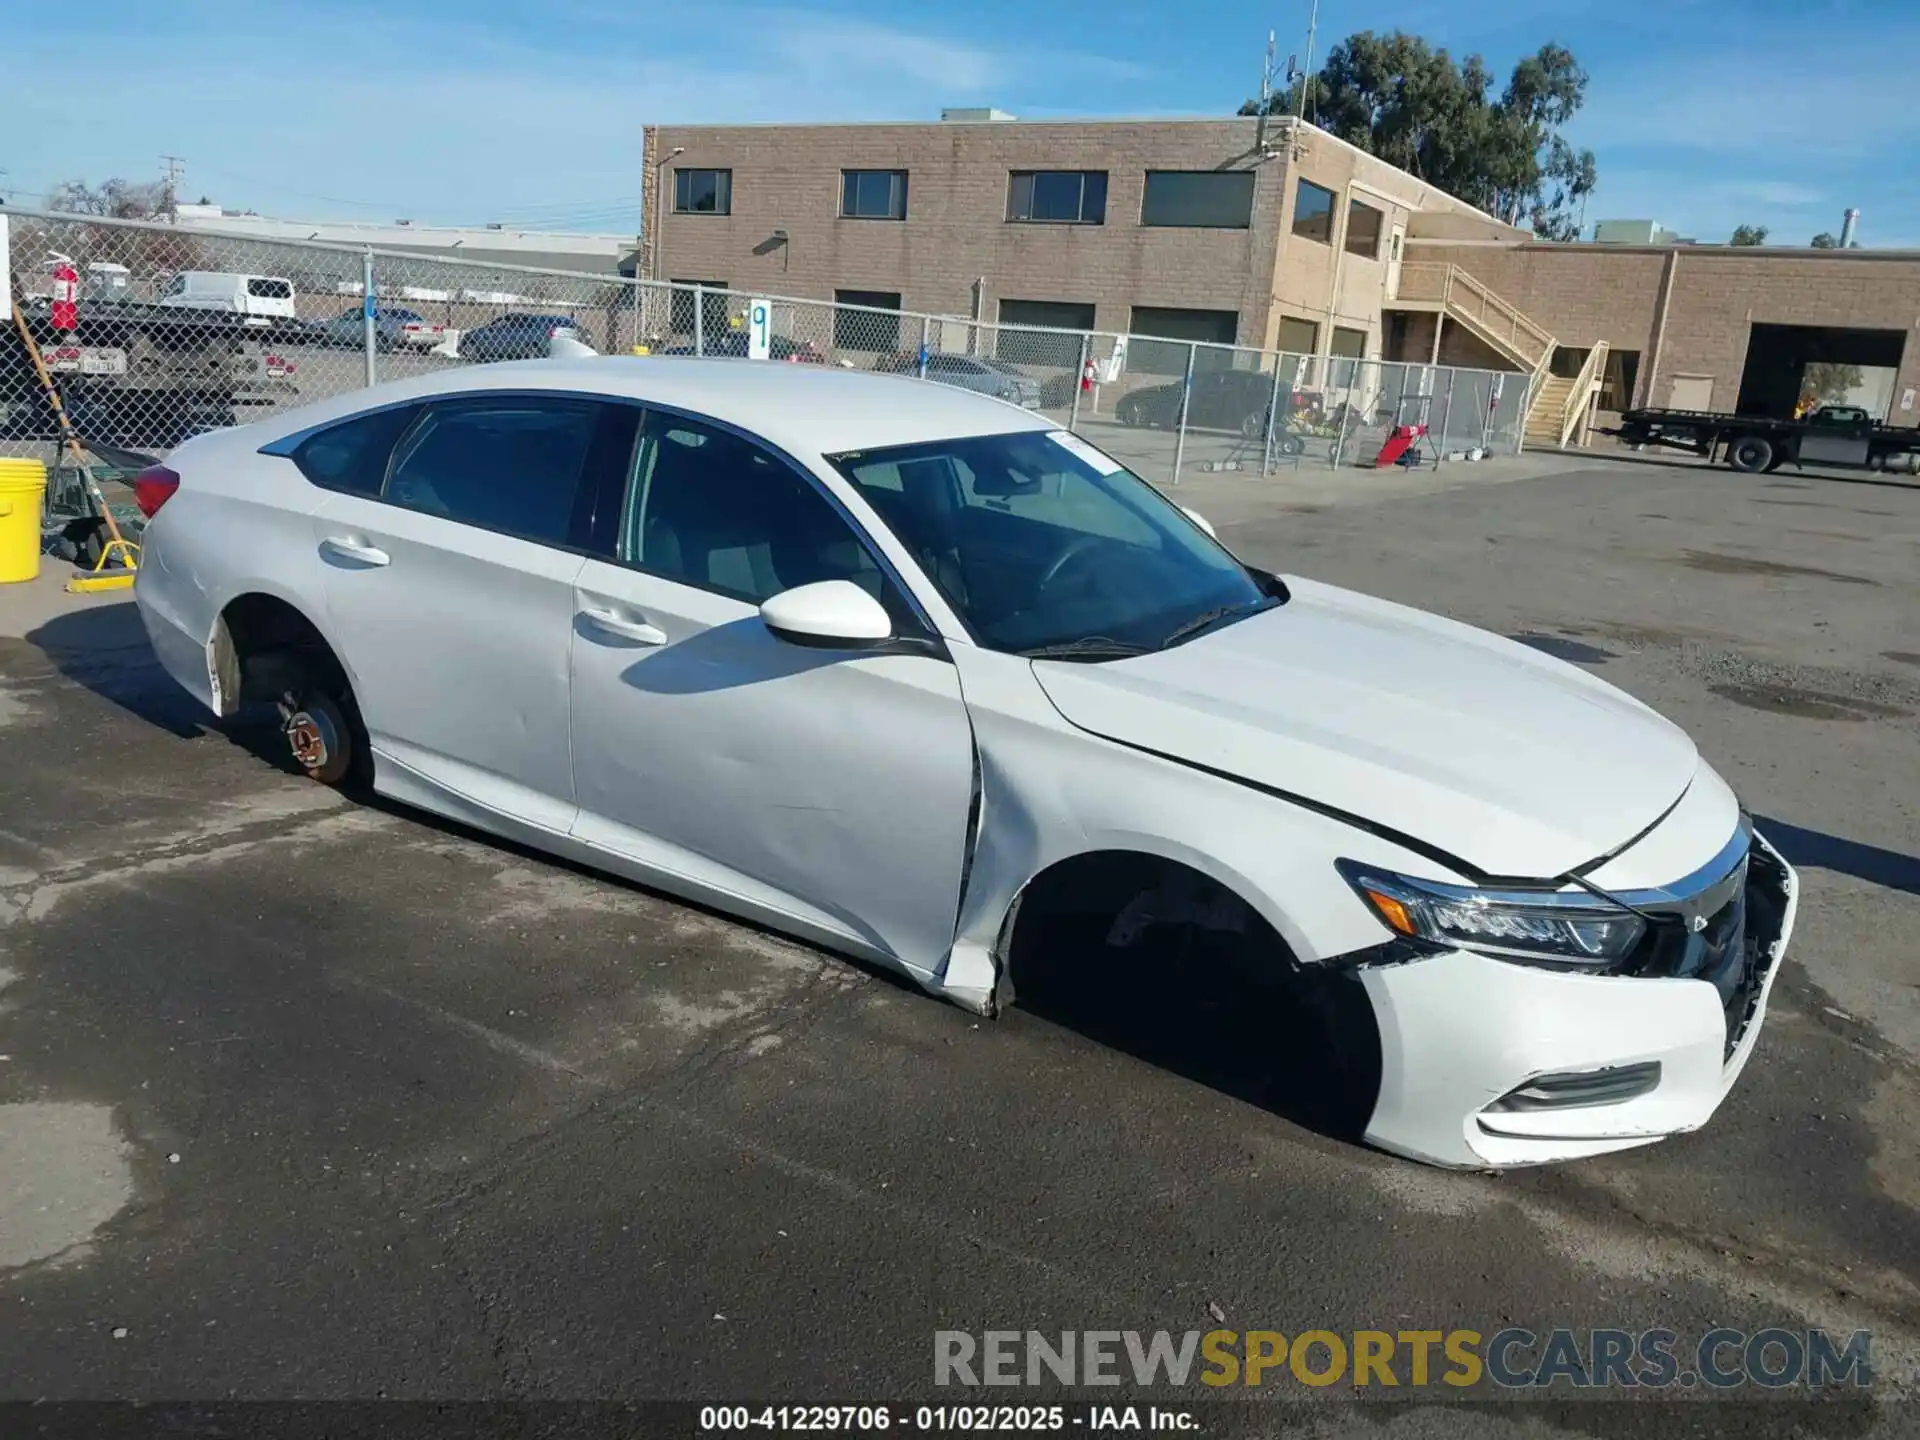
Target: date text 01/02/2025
<point>869,1419</point>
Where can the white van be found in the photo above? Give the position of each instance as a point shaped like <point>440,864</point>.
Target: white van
<point>263,298</point>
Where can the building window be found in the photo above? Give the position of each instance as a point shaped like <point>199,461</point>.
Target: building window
<point>1313,212</point>
<point>703,192</point>
<point>1058,197</point>
<point>1168,356</point>
<point>866,328</point>
<point>1364,224</point>
<point>873,194</point>
<point>1348,348</point>
<point>1042,346</point>
<point>1202,199</point>
<point>1297,337</point>
<point>713,308</point>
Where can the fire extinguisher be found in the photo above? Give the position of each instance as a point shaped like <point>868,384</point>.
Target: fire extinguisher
<point>66,293</point>
<point>1087,374</point>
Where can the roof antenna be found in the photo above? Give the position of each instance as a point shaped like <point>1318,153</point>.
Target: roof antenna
<point>1306,70</point>
<point>1266,94</point>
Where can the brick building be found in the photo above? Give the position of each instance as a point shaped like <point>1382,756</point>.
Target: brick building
<point>1699,327</point>
<point>1234,231</point>
<point>1268,234</point>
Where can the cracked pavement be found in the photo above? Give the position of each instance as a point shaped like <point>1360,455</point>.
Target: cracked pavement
<point>331,1100</point>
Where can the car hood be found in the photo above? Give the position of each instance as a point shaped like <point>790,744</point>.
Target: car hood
<point>1518,764</point>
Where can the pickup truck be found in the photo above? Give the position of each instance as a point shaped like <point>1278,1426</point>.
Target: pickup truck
<point>1844,436</point>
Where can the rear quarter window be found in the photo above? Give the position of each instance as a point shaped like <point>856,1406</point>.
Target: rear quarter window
<point>352,455</point>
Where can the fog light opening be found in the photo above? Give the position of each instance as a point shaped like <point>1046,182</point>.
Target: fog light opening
<point>1613,1086</point>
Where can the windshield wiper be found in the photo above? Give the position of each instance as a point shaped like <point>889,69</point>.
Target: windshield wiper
<point>1088,647</point>
<point>1207,619</point>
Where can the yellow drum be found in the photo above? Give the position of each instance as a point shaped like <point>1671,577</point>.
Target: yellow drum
<point>22,483</point>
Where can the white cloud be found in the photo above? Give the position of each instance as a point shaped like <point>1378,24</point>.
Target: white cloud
<point>1817,97</point>
<point>1783,194</point>
<point>458,119</point>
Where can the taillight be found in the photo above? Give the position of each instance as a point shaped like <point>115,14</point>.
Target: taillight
<point>153,487</point>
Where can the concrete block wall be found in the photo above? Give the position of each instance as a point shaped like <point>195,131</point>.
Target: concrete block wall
<point>956,232</point>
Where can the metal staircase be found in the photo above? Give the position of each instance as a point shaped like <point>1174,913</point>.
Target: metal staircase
<point>1557,406</point>
<point>1562,411</point>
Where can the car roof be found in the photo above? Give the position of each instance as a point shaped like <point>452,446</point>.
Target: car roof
<point>803,409</point>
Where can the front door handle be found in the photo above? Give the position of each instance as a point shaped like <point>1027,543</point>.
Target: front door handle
<point>615,623</point>
<point>356,551</point>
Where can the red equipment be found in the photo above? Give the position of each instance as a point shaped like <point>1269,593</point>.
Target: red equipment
<point>66,293</point>
<point>1398,443</point>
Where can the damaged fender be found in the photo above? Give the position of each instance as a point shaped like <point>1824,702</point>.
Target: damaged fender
<point>1050,792</point>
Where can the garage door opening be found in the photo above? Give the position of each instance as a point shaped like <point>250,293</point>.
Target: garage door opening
<point>1795,368</point>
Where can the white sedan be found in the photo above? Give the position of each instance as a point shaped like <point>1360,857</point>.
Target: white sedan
<point>906,671</point>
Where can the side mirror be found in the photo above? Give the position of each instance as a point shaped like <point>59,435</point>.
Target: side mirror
<point>828,615</point>
<point>1200,520</point>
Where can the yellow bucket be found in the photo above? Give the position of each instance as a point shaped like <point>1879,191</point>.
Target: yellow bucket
<point>22,483</point>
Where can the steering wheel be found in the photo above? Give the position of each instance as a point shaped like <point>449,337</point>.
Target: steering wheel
<point>1074,550</point>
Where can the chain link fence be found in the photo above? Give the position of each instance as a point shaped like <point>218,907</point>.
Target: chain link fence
<point>174,331</point>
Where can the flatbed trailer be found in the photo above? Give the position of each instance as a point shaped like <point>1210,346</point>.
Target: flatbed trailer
<point>143,376</point>
<point>1844,436</point>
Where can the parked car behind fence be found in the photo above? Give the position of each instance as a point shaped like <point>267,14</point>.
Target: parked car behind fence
<point>515,337</point>
<point>970,372</point>
<point>393,329</point>
<point>1221,400</point>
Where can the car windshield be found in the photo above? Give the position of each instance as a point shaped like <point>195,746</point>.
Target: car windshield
<point>1045,546</point>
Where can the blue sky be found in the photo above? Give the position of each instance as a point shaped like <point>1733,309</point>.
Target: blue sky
<point>1704,113</point>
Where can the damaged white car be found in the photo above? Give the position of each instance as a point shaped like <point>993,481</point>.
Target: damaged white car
<point>910,672</point>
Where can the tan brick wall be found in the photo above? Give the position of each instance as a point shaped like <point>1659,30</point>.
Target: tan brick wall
<point>1581,294</point>
<point>956,231</point>
<point>1328,284</point>
<point>1588,293</point>
<point>1716,300</point>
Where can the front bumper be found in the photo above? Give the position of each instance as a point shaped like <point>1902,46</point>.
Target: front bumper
<point>1458,1031</point>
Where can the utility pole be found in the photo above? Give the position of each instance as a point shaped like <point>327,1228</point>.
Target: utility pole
<point>176,167</point>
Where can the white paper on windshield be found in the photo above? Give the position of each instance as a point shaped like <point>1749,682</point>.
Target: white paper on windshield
<point>1080,450</point>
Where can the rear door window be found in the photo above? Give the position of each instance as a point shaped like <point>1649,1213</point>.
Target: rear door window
<point>512,464</point>
<point>270,289</point>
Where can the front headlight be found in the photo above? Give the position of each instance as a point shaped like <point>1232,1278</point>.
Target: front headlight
<point>1552,927</point>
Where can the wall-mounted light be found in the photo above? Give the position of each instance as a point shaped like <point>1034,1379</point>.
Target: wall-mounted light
<point>780,241</point>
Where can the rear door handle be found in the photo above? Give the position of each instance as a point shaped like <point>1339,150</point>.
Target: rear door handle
<point>357,551</point>
<point>615,623</point>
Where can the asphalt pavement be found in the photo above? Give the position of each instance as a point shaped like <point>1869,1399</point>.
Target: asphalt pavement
<point>302,1098</point>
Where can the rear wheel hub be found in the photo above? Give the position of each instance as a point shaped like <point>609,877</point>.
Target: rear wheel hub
<point>312,736</point>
